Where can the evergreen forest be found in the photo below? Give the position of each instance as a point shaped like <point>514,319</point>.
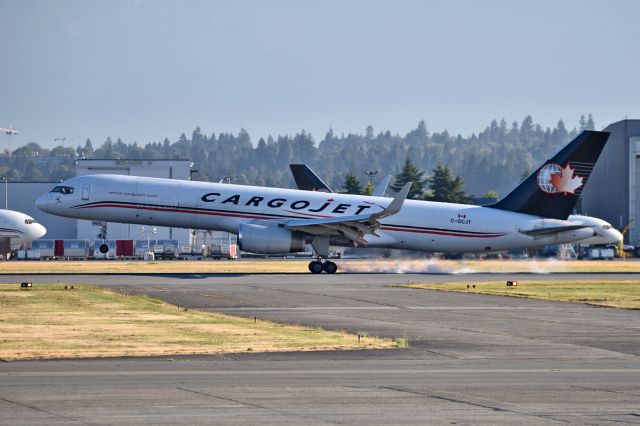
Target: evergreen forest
<point>491,162</point>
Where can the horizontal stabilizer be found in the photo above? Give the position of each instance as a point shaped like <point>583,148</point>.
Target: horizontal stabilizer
<point>538,232</point>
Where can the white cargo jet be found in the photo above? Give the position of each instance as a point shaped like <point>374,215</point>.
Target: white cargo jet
<point>275,220</point>
<point>17,228</point>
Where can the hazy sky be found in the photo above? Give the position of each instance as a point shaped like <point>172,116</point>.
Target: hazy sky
<point>145,70</point>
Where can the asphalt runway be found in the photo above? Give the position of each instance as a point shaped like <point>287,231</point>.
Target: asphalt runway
<point>473,359</point>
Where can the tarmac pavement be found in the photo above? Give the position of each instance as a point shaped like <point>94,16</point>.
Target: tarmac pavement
<point>473,359</point>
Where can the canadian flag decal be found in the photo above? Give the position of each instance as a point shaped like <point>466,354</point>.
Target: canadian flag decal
<point>566,181</point>
<point>554,179</point>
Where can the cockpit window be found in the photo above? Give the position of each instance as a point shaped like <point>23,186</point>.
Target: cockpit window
<point>606,226</point>
<point>29,221</point>
<point>63,189</point>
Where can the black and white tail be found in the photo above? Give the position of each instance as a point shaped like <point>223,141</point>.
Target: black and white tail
<point>553,189</point>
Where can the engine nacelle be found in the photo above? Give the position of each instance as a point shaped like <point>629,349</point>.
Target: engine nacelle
<point>269,238</point>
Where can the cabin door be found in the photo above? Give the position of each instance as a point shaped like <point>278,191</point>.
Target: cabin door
<point>85,191</point>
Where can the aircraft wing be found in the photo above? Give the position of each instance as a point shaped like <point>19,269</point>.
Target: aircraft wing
<point>354,227</point>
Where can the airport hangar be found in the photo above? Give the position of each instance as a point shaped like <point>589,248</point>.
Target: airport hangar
<point>612,190</point>
<point>22,196</point>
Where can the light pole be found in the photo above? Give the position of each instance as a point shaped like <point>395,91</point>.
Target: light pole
<point>63,139</point>
<point>370,174</point>
<point>143,231</point>
<point>6,192</point>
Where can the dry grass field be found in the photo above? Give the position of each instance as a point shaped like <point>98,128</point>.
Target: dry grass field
<point>619,294</point>
<point>300,266</point>
<point>157,267</point>
<point>51,322</point>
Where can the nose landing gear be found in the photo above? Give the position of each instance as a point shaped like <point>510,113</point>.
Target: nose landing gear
<point>104,248</point>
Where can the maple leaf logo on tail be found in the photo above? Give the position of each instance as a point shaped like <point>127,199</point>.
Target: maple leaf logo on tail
<point>565,181</point>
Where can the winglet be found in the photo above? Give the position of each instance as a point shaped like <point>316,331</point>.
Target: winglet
<point>395,205</point>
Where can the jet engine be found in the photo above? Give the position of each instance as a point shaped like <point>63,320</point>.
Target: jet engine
<point>269,238</point>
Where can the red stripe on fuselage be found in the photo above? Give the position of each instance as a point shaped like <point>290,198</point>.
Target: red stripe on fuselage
<point>175,210</point>
<point>10,230</point>
<point>449,234</point>
<point>248,216</point>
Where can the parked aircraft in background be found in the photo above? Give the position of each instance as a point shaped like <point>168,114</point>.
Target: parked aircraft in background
<point>9,131</point>
<point>604,232</point>
<point>17,228</point>
<point>307,180</point>
<point>275,220</point>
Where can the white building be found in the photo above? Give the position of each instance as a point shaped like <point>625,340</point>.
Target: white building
<point>613,190</point>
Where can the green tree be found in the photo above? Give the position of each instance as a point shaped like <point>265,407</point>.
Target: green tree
<point>87,151</point>
<point>491,194</point>
<point>352,184</point>
<point>583,123</point>
<point>369,132</point>
<point>411,173</point>
<point>368,190</point>
<point>444,187</point>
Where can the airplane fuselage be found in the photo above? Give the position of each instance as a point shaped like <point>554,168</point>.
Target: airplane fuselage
<point>420,225</point>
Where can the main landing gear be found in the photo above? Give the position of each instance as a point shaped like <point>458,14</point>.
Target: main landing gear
<point>321,247</point>
<point>317,266</point>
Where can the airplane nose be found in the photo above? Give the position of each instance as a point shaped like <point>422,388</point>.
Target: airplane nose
<point>36,231</point>
<point>40,231</point>
<point>42,203</point>
<point>617,235</point>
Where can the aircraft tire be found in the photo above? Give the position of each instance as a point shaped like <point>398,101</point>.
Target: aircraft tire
<point>104,249</point>
<point>315,267</point>
<point>330,267</point>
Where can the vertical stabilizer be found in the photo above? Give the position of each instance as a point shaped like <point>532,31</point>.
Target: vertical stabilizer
<point>553,189</point>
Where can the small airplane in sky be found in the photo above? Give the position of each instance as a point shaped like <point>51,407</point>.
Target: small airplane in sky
<point>9,131</point>
<point>277,220</point>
